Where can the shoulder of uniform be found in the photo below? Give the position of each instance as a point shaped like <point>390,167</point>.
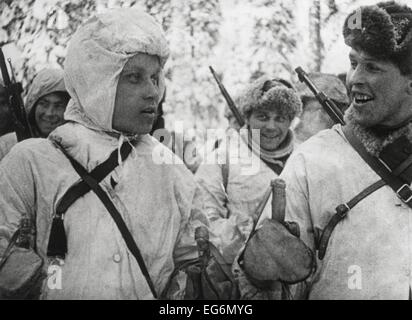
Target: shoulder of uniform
<point>8,138</point>
<point>322,141</point>
<point>32,148</point>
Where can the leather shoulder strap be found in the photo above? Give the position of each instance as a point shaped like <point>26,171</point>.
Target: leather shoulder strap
<point>401,188</point>
<point>117,218</point>
<point>99,173</point>
<point>341,212</point>
<point>389,177</point>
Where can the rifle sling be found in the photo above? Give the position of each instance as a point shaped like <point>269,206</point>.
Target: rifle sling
<point>99,173</point>
<point>341,212</point>
<point>399,186</point>
<point>388,177</point>
<point>93,184</point>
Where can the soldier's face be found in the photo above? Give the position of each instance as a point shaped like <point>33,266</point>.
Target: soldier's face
<point>137,95</point>
<point>49,111</point>
<point>273,127</point>
<point>378,91</point>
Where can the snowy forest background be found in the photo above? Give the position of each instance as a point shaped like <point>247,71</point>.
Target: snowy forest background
<point>241,39</point>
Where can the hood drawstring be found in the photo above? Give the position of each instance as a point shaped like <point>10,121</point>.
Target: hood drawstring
<point>133,154</point>
<point>119,156</point>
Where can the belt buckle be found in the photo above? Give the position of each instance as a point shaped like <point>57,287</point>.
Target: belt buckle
<point>401,189</point>
<point>342,210</point>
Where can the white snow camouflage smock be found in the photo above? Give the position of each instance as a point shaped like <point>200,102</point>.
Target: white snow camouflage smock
<point>156,201</point>
<point>369,255</point>
<point>231,209</point>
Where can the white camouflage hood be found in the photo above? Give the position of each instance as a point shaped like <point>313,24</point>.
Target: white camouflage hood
<point>96,56</point>
<point>47,81</point>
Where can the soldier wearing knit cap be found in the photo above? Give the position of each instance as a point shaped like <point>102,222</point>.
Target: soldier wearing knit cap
<point>368,248</point>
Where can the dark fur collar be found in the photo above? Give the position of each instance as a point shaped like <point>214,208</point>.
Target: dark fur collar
<point>374,142</point>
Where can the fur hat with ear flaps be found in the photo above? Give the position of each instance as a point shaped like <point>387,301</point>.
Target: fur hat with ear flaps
<point>384,31</point>
<point>273,94</point>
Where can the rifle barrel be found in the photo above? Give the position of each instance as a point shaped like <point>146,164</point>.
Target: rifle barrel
<point>228,99</point>
<point>14,89</point>
<point>4,71</point>
<point>328,105</point>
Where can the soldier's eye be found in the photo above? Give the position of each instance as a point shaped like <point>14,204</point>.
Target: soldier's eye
<point>262,117</point>
<point>134,77</point>
<point>155,79</point>
<point>372,67</point>
<point>280,119</point>
<point>60,105</point>
<point>43,103</point>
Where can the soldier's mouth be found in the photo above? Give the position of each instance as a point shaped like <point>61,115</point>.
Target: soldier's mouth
<point>270,136</point>
<point>149,111</point>
<point>361,98</point>
<point>49,123</point>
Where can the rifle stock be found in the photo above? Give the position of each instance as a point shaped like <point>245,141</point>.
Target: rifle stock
<point>327,104</point>
<point>13,91</point>
<point>228,99</point>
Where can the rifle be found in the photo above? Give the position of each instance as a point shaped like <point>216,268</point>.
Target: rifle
<point>13,91</point>
<point>228,99</point>
<point>327,104</point>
